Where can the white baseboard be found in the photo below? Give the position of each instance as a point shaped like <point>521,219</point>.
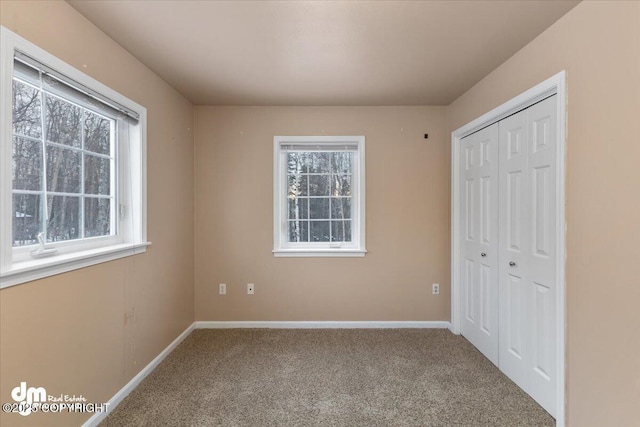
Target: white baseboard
<point>322,324</point>
<point>98,417</point>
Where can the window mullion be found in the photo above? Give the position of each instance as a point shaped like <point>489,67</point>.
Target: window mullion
<point>44,216</point>
<point>114,167</point>
<point>282,198</point>
<point>32,192</point>
<point>330,204</point>
<point>76,149</point>
<point>353,198</point>
<point>82,156</point>
<point>308,209</point>
<point>27,137</point>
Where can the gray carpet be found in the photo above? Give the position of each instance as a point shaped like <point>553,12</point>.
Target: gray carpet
<point>348,377</point>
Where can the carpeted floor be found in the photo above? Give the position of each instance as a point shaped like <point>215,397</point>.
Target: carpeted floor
<point>338,377</point>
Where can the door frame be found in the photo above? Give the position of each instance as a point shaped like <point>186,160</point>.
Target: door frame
<point>554,85</point>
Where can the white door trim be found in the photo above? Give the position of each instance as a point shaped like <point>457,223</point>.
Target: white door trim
<point>554,85</point>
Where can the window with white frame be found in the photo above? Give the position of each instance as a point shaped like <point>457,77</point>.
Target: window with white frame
<point>319,194</point>
<point>72,155</point>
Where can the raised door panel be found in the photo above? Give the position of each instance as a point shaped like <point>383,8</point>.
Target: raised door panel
<point>487,303</point>
<point>513,196</point>
<point>513,320</point>
<point>542,357</point>
<point>470,209</point>
<point>541,212</point>
<point>470,291</point>
<point>487,193</point>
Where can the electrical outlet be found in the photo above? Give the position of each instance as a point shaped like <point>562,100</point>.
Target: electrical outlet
<point>250,289</point>
<point>222,289</point>
<point>436,289</point>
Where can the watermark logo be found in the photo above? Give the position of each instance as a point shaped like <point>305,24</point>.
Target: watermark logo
<point>26,397</point>
<point>28,400</point>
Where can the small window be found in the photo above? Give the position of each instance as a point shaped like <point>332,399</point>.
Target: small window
<point>72,155</point>
<point>319,196</point>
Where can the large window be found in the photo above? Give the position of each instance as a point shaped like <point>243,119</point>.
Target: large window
<point>63,164</point>
<point>319,196</point>
<point>72,177</point>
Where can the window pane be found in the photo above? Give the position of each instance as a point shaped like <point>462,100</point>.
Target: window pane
<point>297,185</point>
<point>26,219</point>
<point>63,170</point>
<point>298,231</point>
<point>27,164</point>
<point>341,162</point>
<point>97,174</point>
<point>62,121</point>
<point>319,231</point>
<point>340,208</point>
<point>97,133</point>
<point>319,162</point>
<point>341,231</point>
<point>298,208</point>
<point>297,162</point>
<point>97,217</point>
<point>319,185</point>
<point>319,208</point>
<point>340,185</point>
<point>27,110</point>
<point>64,218</point>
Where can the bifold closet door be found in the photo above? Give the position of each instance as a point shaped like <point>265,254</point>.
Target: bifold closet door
<point>479,226</point>
<point>527,250</point>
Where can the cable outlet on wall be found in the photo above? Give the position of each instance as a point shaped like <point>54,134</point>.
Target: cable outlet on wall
<point>250,289</point>
<point>436,288</point>
<point>222,289</point>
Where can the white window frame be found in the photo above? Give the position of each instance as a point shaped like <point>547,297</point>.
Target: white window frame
<point>281,245</point>
<point>130,237</point>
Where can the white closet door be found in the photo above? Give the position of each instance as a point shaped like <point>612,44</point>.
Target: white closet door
<point>479,225</point>
<point>527,267</point>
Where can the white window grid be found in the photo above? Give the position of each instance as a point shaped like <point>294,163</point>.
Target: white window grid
<point>82,196</point>
<point>308,197</point>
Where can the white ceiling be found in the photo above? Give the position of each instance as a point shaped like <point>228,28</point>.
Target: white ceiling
<point>322,52</point>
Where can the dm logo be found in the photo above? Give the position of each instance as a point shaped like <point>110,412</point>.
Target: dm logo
<point>28,396</point>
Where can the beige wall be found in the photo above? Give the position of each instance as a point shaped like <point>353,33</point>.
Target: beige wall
<point>407,217</point>
<point>599,46</point>
<point>90,331</point>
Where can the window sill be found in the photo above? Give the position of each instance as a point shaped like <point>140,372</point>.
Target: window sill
<point>30,270</point>
<point>319,253</point>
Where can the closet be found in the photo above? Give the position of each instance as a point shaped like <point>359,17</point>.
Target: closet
<point>508,246</point>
